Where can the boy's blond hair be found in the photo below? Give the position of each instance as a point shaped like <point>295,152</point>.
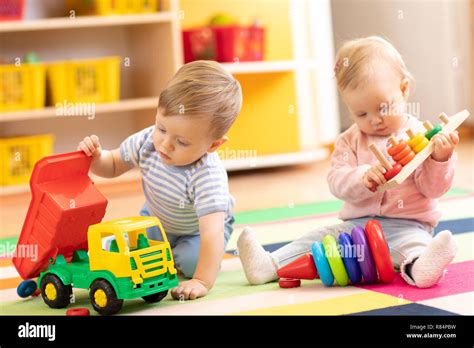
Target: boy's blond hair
<point>354,61</point>
<point>203,88</point>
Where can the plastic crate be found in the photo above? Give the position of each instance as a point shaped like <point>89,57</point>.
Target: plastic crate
<point>112,7</point>
<point>84,81</point>
<point>22,87</point>
<point>11,10</point>
<point>19,155</point>
<point>224,43</point>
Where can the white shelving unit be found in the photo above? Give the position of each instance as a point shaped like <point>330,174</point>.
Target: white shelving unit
<point>151,43</point>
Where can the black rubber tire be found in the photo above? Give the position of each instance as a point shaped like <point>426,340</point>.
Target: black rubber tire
<point>155,297</point>
<point>63,292</point>
<point>113,306</point>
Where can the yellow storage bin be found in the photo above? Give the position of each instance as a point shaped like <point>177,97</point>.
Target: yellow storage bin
<point>22,87</point>
<point>85,81</point>
<point>112,7</point>
<point>18,156</point>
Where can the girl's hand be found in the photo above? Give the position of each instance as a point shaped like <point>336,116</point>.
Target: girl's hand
<point>91,146</point>
<point>189,290</point>
<point>374,177</point>
<point>444,145</point>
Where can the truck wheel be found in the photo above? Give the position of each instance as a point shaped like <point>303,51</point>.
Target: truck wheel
<point>55,294</point>
<point>155,297</point>
<point>103,298</point>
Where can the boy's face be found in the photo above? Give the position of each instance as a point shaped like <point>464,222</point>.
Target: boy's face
<point>377,105</point>
<point>182,140</point>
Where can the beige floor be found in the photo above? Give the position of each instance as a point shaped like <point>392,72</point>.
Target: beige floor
<point>256,189</point>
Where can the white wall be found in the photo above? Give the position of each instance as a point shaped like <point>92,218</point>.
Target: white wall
<point>432,36</point>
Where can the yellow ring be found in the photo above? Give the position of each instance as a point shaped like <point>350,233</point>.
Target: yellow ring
<point>100,298</point>
<point>51,292</point>
<point>421,145</point>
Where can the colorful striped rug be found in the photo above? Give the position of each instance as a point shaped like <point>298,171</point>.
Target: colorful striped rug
<point>276,227</point>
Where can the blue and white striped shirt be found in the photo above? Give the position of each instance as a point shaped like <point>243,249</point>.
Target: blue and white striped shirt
<point>178,195</point>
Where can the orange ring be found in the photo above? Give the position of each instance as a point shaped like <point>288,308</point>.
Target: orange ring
<point>405,152</point>
<point>407,159</point>
<point>393,150</point>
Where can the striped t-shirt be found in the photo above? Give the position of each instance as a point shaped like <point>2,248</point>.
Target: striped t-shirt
<point>178,195</point>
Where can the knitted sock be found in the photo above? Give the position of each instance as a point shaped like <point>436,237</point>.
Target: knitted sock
<point>428,269</point>
<point>258,265</point>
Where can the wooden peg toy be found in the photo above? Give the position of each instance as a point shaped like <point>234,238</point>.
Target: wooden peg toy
<point>391,170</point>
<point>400,151</point>
<point>417,141</point>
<point>421,146</point>
<point>430,130</point>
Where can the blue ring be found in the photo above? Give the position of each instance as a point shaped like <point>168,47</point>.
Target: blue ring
<point>322,264</point>
<point>347,251</point>
<point>26,288</point>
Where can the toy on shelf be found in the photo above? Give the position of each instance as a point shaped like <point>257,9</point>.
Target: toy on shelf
<point>361,256</point>
<point>63,222</point>
<point>421,144</point>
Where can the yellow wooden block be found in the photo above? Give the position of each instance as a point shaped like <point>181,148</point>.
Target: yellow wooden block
<point>366,301</point>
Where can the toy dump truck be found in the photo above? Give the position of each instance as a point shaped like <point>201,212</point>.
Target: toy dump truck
<point>63,223</point>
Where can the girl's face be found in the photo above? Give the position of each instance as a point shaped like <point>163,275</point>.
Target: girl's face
<point>377,105</point>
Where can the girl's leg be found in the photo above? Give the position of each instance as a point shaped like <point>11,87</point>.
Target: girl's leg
<point>260,266</point>
<point>420,257</point>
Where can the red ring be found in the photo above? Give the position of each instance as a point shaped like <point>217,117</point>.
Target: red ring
<point>289,283</point>
<point>380,251</point>
<point>78,312</point>
<point>396,168</point>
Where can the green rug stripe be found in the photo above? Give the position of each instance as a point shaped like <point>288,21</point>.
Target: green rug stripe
<point>302,210</point>
<point>272,214</point>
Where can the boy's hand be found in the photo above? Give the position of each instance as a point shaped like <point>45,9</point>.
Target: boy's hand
<point>444,145</point>
<point>91,146</point>
<point>374,177</point>
<point>189,290</point>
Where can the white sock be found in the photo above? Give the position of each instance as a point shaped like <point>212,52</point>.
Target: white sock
<point>258,265</point>
<point>428,269</point>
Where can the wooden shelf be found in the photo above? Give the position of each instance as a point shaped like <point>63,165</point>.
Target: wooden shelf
<point>277,160</point>
<point>50,112</point>
<point>259,162</point>
<point>260,67</point>
<point>85,22</point>
<point>132,175</point>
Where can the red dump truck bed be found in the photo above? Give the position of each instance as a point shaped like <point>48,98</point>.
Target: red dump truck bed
<point>64,203</point>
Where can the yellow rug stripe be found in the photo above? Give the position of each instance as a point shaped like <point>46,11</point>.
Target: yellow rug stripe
<point>335,306</point>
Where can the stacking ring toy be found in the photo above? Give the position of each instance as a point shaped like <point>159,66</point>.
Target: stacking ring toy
<point>418,142</point>
<point>26,288</point>
<point>335,260</point>
<point>77,312</point>
<point>288,283</point>
<point>349,258</point>
<point>366,262</point>
<point>380,251</point>
<point>322,264</point>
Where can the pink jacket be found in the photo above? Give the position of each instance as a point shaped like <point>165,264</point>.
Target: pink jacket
<point>415,198</point>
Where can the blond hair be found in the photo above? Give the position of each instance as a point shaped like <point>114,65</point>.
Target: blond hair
<point>354,61</point>
<point>203,88</point>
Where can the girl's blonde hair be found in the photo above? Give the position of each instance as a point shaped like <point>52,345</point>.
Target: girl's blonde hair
<point>354,61</point>
<point>203,88</point>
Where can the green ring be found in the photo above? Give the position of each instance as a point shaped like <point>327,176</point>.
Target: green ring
<point>432,132</point>
<point>335,260</point>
